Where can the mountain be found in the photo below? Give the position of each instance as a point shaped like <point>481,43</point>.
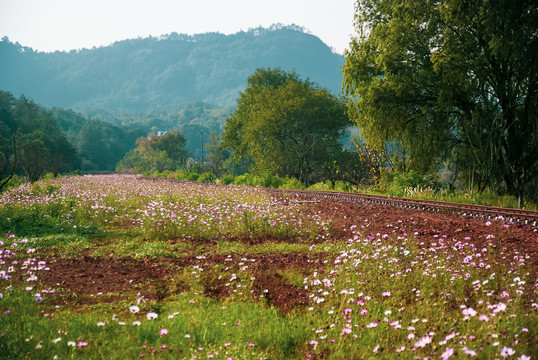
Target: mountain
<point>159,73</point>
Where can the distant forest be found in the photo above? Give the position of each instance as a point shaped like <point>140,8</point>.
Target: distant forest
<point>98,102</point>
<point>160,73</point>
<point>91,144</point>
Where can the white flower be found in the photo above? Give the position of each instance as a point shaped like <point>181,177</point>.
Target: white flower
<point>448,353</point>
<point>423,341</point>
<point>136,323</point>
<point>134,309</point>
<point>506,351</point>
<point>469,312</point>
<point>151,315</point>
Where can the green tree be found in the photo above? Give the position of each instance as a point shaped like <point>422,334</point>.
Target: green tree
<point>216,155</point>
<point>173,143</point>
<point>35,156</point>
<point>287,126</point>
<point>156,153</point>
<point>37,142</point>
<point>92,146</point>
<point>450,79</point>
<point>8,161</point>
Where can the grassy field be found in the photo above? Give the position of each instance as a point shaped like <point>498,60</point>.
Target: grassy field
<point>115,267</point>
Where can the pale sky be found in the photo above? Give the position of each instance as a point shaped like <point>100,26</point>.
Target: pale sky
<point>49,25</point>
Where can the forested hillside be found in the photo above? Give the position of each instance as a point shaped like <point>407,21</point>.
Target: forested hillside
<point>34,140</point>
<point>158,74</point>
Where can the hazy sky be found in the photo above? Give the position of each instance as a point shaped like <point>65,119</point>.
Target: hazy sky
<point>49,25</point>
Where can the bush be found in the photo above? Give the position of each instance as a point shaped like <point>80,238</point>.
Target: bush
<point>13,183</point>
<point>292,184</point>
<point>410,180</point>
<point>206,177</point>
<point>245,179</point>
<point>226,180</point>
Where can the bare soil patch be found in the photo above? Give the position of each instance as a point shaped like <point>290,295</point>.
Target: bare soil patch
<point>85,275</point>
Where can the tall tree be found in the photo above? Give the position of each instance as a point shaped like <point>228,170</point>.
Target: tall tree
<point>8,161</point>
<point>449,79</point>
<point>173,142</point>
<point>35,156</point>
<point>166,152</point>
<point>287,126</point>
<point>216,155</point>
<point>38,143</point>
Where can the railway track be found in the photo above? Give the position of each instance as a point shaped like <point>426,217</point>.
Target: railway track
<point>527,217</point>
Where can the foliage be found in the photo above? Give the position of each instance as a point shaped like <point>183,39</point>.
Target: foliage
<point>286,125</point>
<point>331,186</point>
<point>37,142</point>
<point>401,182</point>
<point>8,161</point>
<point>217,156</point>
<point>156,153</point>
<point>449,80</point>
<point>385,295</point>
<point>163,71</point>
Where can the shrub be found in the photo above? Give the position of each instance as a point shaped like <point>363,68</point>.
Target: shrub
<point>206,177</point>
<point>292,183</point>
<point>226,180</point>
<point>410,180</point>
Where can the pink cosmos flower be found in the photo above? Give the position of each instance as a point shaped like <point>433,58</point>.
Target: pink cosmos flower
<point>469,312</point>
<point>163,332</point>
<point>448,353</point>
<point>250,344</point>
<point>506,351</point>
<point>385,293</point>
<point>499,307</point>
<point>423,342</point>
<point>468,351</point>
<point>364,312</point>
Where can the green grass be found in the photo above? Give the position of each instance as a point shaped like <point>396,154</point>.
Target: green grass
<point>386,295</point>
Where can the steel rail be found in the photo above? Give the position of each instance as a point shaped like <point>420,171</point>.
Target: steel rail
<point>522,216</point>
<point>528,217</point>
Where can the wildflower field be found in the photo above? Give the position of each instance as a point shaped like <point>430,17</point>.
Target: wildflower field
<point>121,267</point>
